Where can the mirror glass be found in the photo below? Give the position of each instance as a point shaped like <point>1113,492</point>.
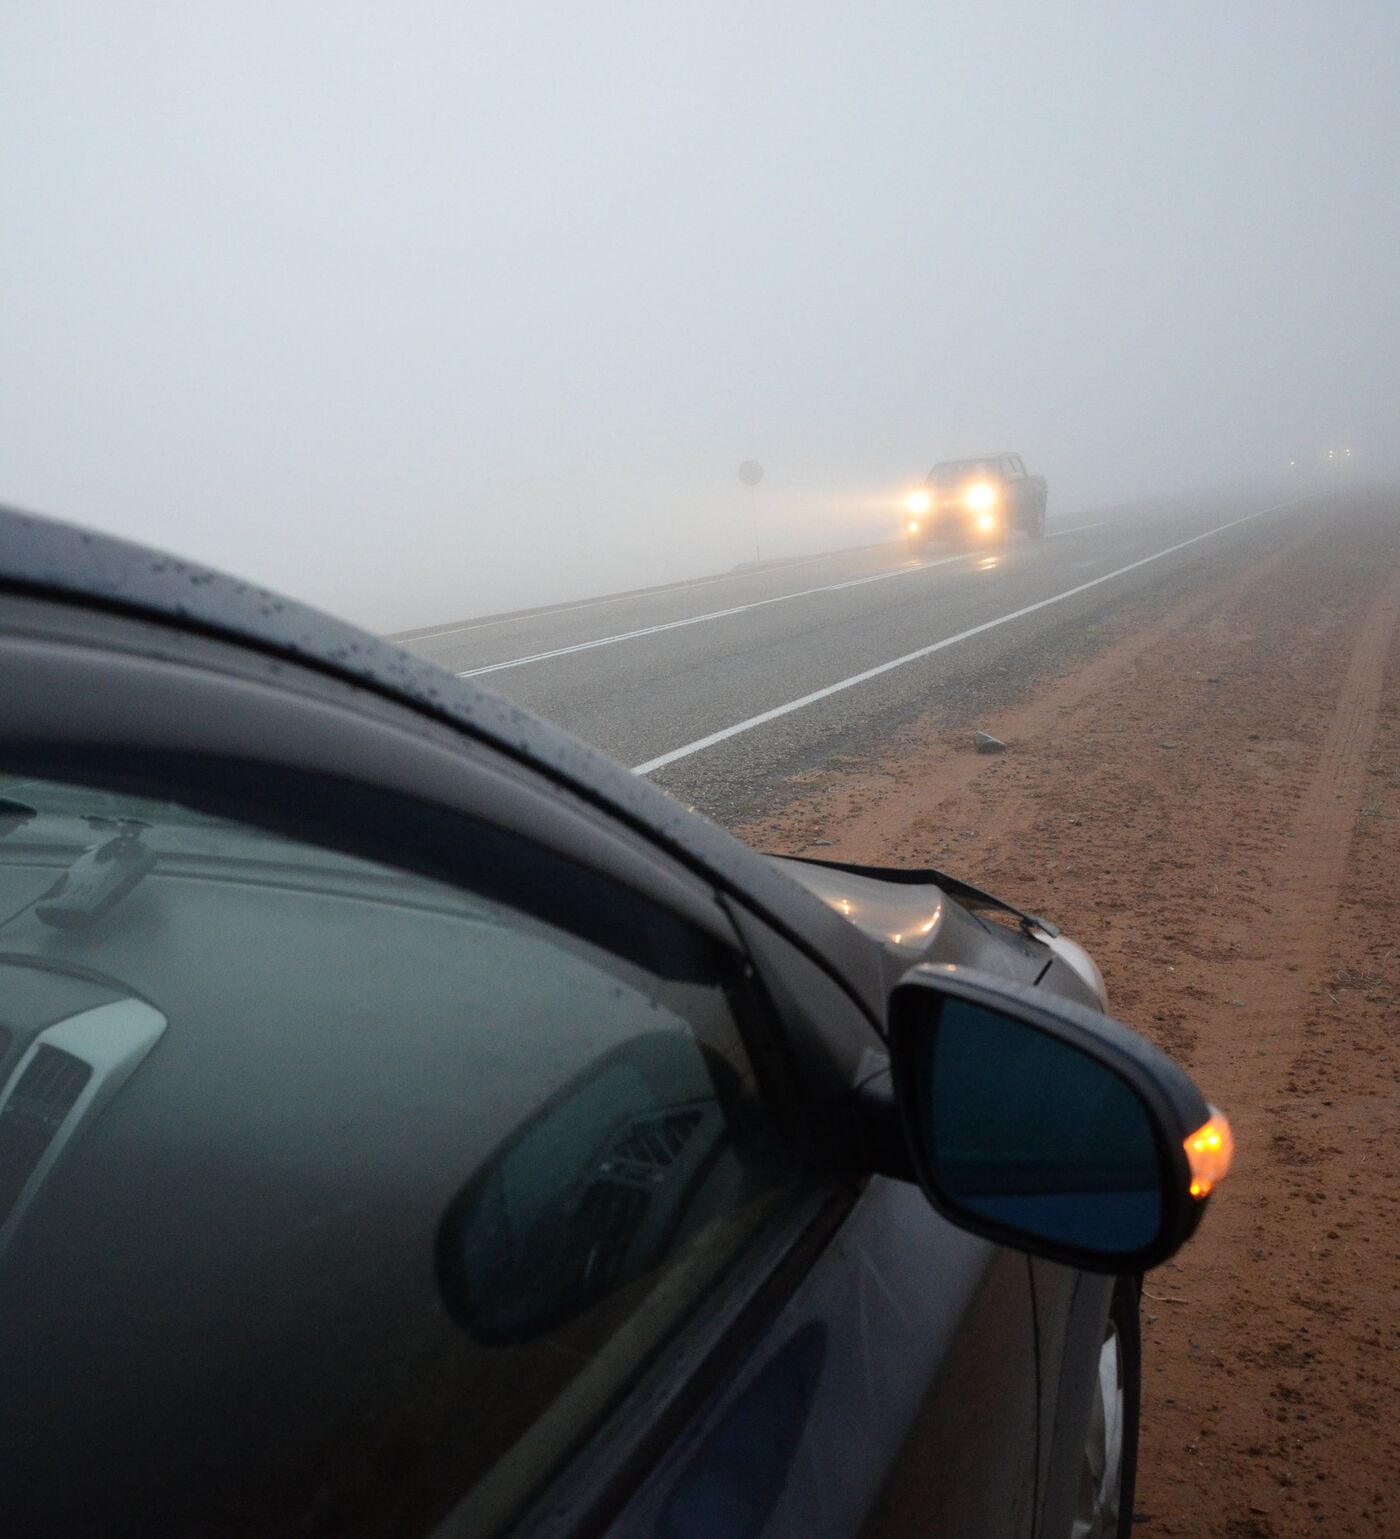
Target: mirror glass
<point>1032,1133</point>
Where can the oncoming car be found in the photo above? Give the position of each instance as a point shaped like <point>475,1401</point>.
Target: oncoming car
<point>413,1123</point>
<point>976,501</point>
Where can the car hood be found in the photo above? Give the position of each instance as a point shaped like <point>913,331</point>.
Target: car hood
<point>918,921</point>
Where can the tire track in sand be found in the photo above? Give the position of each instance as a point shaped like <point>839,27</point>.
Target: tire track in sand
<point>1308,882</point>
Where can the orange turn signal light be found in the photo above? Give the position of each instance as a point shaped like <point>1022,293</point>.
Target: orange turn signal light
<point>1209,1151</point>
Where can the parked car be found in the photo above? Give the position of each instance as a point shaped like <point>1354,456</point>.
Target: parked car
<point>412,1122</point>
<point>977,501</point>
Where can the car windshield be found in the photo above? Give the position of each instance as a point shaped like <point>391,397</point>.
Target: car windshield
<point>962,470</point>
<point>67,805</point>
<point>53,816</point>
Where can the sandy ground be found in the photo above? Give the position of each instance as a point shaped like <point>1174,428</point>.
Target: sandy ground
<point>1210,800</point>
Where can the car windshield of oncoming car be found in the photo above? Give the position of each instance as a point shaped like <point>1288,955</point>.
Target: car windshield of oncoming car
<point>946,475</point>
<point>391,1192</point>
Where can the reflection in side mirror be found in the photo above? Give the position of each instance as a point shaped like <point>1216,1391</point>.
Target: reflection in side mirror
<point>591,1193</point>
<point>1032,1133</point>
<point>1044,1125</point>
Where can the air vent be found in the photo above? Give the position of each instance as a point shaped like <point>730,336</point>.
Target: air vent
<point>601,1230</point>
<point>47,1090</point>
<point>655,1142</point>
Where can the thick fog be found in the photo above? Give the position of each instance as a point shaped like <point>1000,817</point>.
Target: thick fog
<point>420,311</point>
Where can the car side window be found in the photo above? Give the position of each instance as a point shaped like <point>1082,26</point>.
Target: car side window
<point>334,1199</point>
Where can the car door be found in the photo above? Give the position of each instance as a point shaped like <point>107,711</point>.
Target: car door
<point>392,1144</point>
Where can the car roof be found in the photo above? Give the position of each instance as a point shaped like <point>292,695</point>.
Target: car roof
<point>50,558</point>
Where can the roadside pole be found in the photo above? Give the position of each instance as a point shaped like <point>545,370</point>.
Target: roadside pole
<point>751,473</point>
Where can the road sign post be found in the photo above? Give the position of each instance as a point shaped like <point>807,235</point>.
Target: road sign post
<point>751,473</point>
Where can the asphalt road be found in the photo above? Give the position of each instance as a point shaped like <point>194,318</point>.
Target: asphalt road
<point>719,687</point>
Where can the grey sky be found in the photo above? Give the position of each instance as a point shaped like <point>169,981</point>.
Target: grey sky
<point>425,310</point>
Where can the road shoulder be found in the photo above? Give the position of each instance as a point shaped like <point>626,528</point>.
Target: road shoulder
<point>1209,797</point>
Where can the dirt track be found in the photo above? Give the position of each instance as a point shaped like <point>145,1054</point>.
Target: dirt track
<point>1211,801</point>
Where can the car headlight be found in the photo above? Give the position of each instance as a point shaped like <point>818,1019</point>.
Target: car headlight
<point>913,526</point>
<point>980,497</point>
<point>986,523</point>
<point>918,503</point>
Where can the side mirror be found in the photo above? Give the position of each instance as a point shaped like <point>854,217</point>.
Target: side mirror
<point>1047,1126</point>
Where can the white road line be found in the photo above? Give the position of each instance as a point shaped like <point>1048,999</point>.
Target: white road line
<point>714,614</point>
<point>662,760</point>
<point>737,609</point>
<point>1079,528</point>
<point>410,638</point>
